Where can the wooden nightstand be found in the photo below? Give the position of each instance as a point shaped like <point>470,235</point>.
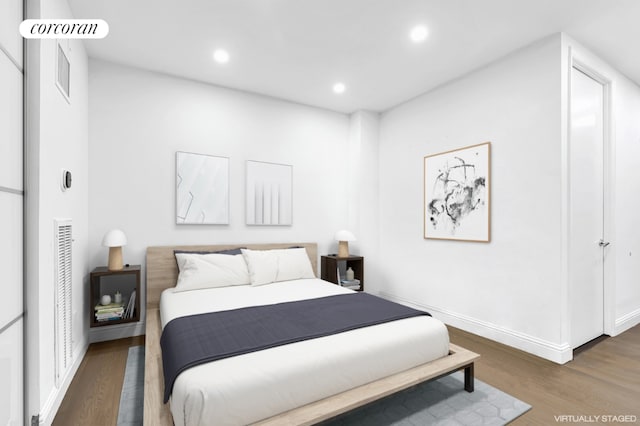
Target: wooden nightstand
<point>331,265</point>
<point>103,281</point>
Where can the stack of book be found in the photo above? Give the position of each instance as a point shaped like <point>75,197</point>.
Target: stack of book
<point>110,312</point>
<point>131,306</point>
<point>351,284</point>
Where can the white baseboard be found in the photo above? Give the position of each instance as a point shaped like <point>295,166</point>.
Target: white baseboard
<point>52,404</point>
<point>558,353</point>
<point>625,322</point>
<point>118,331</point>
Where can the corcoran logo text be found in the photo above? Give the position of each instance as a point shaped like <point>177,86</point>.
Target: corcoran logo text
<point>64,28</point>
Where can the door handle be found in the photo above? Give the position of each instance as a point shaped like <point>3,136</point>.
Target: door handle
<point>602,243</point>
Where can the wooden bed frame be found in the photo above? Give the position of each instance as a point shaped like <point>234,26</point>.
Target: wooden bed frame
<point>162,273</point>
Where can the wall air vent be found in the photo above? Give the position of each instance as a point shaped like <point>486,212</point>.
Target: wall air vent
<point>63,334</point>
<point>63,71</point>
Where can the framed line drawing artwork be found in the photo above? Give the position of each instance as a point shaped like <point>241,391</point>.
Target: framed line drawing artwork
<point>269,193</point>
<point>457,203</point>
<point>202,189</point>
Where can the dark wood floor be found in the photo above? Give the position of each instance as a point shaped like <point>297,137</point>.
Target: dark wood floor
<point>93,397</point>
<point>601,380</point>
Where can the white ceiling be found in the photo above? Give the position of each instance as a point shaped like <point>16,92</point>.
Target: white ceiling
<point>297,49</point>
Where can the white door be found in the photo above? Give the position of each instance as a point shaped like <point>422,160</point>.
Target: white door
<point>586,204</point>
<point>11,215</point>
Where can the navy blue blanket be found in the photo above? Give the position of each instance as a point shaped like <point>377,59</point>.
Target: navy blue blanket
<point>197,339</point>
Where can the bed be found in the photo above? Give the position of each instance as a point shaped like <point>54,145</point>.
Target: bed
<point>272,386</point>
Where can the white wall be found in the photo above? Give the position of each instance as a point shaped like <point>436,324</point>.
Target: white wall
<point>514,289</point>
<point>509,289</point>
<point>622,292</point>
<point>57,138</point>
<point>138,120</point>
<point>362,183</point>
<point>627,204</point>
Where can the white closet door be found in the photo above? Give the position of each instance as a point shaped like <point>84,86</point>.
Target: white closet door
<point>11,364</point>
<point>10,257</point>
<point>586,162</point>
<point>10,18</point>
<point>10,124</point>
<point>11,215</point>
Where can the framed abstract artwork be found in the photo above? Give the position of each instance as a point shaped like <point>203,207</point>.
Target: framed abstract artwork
<point>457,204</point>
<point>269,193</point>
<point>202,189</point>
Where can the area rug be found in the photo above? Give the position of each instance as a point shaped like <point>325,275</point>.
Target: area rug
<point>132,395</point>
<point>440,402</point>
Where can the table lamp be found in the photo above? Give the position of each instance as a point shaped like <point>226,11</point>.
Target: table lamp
<point>343,237</point>
<point>115,239</point>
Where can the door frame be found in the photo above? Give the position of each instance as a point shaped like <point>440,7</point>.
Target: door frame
<point>592,69</point>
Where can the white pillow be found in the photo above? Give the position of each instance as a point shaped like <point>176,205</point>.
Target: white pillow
<point>268,266</point>
<point>210,270</point>
<point>293,264</point>
<point>262,265</point>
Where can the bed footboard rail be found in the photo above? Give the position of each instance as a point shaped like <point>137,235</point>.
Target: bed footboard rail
<point>458,359</point>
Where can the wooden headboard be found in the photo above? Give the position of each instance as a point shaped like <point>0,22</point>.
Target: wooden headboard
<point>162,269</point>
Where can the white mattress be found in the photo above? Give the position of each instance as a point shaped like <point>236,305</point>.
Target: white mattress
<point>248,388</point>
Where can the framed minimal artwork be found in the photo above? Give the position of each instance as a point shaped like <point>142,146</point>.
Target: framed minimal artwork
<point>456,194</point>
<point>269,193</point>
<point>202,189</point>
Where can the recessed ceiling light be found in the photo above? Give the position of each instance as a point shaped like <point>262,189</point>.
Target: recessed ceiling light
<point>419,33</point>
<point>221,56</point>
<point>339,88</point>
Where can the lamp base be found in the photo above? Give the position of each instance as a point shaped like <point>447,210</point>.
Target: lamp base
<point>343,248</point>
<point>115,259</point>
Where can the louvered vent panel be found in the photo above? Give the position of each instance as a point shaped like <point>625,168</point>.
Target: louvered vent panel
<point>64,70</point>
<point>63,344</point>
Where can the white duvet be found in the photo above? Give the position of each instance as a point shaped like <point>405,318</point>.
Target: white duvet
<point>251,387</point>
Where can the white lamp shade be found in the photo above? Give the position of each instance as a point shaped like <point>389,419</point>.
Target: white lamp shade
<point>344,235</point>
<point>114,238</point>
